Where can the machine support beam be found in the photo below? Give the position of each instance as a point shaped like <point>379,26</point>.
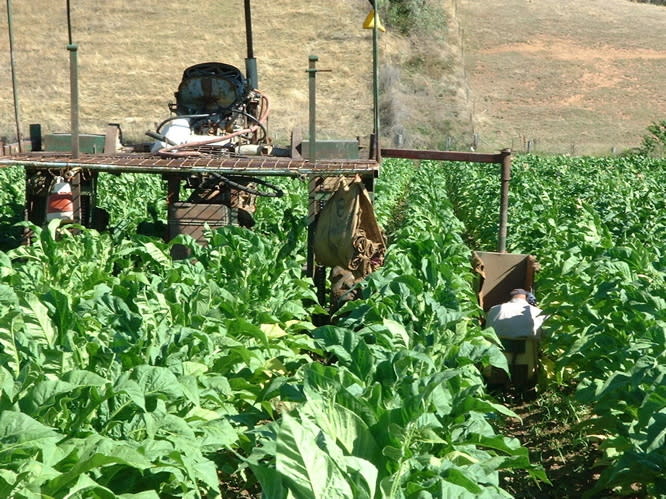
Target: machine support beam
<point>504,200</point>
<point>375,84</point>
<point>74,97</point>
<point>73,85</point>
<point>250,61</point>
<point>503,158</point>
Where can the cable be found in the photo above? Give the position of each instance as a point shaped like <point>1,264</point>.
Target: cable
<point>231,183</point>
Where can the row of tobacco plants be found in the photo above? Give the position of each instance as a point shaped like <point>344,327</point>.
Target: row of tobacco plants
<point>124,373</point>
<point>598,227</point>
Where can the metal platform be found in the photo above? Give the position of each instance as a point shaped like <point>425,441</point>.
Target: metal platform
<point>150,163</point>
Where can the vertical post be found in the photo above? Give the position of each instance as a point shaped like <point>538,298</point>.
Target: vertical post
<point>74,97</point>
<point>312,155</point>
<point>504,199</point>
<point>73,86</point>
<point>312,77</point>
<point>12,62</point>
<point>375,81</point>
<point>316,272</point>
<point>250,61</point>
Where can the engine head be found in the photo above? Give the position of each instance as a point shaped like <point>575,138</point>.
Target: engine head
<point>210,88</point>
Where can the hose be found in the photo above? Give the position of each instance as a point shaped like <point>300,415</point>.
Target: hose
<point>187,116</point>
<point>176,151</point>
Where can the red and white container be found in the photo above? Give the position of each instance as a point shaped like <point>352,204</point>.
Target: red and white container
<point>59,203</point>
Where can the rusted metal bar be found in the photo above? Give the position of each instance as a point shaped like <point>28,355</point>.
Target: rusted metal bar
<point>504,200</point>
<point>468,157</point>
<point>503,158</point>
<point>147,163</point>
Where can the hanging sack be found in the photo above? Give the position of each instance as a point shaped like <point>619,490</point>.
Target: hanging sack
<point>347,234</point>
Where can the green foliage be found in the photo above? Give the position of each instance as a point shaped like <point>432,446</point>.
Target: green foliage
<point>124,373</point>
<point>12,196</point>
<point>654,142</point>
<point>413,16</point>
<point>127,374</point>
<point>402,411</point>
<point>598,227</point>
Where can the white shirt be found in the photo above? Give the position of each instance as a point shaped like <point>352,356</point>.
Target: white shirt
<point>515,318</point>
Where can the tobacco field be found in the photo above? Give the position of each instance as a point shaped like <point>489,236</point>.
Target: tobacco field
<point>124,373</point>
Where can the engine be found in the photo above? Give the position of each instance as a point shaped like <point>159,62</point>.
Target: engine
<point>215,112</point>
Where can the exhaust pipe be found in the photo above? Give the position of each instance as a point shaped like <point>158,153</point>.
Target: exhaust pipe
<point>250,61</point>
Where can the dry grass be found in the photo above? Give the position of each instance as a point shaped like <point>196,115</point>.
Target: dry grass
<point>575,75</point>
<point>587,75</point>
<point>132,55</point>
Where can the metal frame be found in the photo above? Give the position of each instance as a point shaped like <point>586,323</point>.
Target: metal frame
<point>503,158</point>
<point>174,170</point>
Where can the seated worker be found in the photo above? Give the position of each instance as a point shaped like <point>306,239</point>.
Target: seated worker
<point>517,323</point>
<point>516,318</point>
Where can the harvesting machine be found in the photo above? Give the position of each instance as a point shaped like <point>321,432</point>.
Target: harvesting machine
<point>215,154</point>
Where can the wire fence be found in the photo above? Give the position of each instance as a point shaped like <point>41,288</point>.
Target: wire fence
<point>521,144</point>
<point>653,2</point>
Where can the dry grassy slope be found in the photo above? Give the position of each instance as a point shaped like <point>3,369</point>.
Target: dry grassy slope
<point>570,73</point>
<point>574,75</point>
<point>132,55</point>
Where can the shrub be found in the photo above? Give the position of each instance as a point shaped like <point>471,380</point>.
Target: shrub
<point>654,142</point>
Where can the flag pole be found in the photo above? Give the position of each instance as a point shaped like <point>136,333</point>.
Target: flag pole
<point>12,62</point>
<point>375,80</point>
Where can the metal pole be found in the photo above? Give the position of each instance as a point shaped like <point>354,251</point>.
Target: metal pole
<point>74,96</point>
<point>250,61</point>
<point>375,80</point>
<point>504,200</point>
<point>17,112</point>
<point>312,76</point>
<point>73,86</point>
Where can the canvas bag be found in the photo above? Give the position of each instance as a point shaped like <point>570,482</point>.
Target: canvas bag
<point>347,234</point>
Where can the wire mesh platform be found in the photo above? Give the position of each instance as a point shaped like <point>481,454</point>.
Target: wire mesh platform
<point>150,163</point>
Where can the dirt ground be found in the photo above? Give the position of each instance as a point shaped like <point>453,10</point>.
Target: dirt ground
<point>549,427</point>
<point>568,76</point>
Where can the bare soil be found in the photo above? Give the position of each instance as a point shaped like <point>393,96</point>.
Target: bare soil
<point>552,433</point>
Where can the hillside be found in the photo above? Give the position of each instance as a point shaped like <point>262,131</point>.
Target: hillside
<point>132,55</point>
<point>570,76</point>
<point>576,76</point>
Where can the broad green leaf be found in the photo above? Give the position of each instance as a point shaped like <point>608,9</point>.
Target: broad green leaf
<point>20,431</point>
<point>217,434</point>
<point>9,354</point>
<point>155,380</point>
<point>343,426</point>
<point>308,469</point>
<point>37,321</point>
